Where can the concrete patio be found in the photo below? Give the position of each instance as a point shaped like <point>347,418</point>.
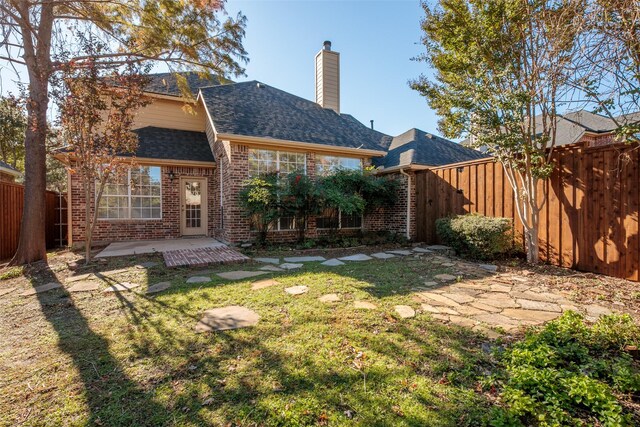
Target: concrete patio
<point>137,247</point>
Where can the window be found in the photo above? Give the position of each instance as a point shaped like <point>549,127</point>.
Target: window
<point>136,195</point>
<point>268,161</point>
<point>325,165</point>
<point>332,219</point>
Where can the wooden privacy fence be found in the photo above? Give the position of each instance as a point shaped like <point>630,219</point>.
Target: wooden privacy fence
<point>11,200</point>
<point>589,223</point>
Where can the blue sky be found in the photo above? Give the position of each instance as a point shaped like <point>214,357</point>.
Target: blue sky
<point>376,41</point>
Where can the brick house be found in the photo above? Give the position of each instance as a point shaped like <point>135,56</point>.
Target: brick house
<point>190,165</point>
<point>8,173</point>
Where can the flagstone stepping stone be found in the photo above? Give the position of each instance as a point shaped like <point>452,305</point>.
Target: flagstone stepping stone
<point>535,316</point>
<point>489,333</point>
<point>497,319</point>
<point>239,275</point>
<point>489,267</point>
<point>333,262</point>
<point>364,305</point>
<point>442,317</point>
<point>438,248</point>
<point>85,286</point>
<point>447,264</point>
<point>431,284</point>
<point>595,311</point>
<point>6,291</point>
<point>440,309</point>
<point>405,311</point>
<point>383,255</point>
<point>270,268</point>
<point>500,288</point>
<point>305,259</point>
<point>538,296</point>
<point>297,290</point>
<point>291,266</point>
<point>198,279</point>
<point>261,284</point>
<point>445,277</point>
<point>439,298</point>
<point>79,277</point>
<point>268,260</point>
<point>477,286</point>
<point>356,257</point>
<point>462,321</point>
<point>539,305</point>
<point>485,307</point>
<point>329,298</point>
<point>499,301</point>
<point>400,252</point>
<point>158,287</point>
<point>468,310</point>
<point>144,265</point>
<point>226,318</point>
<point>422,250</point>
<point>460,298</point>
<point>40,289</point>
<point>121,287</point>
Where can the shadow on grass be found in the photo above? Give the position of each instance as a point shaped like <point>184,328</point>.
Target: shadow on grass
<point>109,393</point>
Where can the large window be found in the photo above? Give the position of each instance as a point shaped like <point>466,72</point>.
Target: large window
<point>136,195</point>
<point>268,161</point>
<point>325,165</point>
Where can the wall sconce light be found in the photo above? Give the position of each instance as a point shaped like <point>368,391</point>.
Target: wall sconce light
<point>460,169</point>
<point>171,176</point>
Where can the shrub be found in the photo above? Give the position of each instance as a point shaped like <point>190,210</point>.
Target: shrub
<point>477,236</point>
<point>568,374</point>
<point>259,200</point>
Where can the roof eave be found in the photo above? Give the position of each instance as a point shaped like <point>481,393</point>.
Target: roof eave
<point>10,171</point>
<point>262,141</point>
<point>67,158</point>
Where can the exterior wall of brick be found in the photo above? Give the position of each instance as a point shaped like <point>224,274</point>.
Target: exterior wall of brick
<point>133,229</point>
<point>5,177</point>
<point>394,218</point>
<point>233,160</point>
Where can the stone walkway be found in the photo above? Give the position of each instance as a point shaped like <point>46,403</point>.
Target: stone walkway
<point>498,301</point>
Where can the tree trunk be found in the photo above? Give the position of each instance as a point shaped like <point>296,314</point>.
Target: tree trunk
<point>532,244</point>
<point>88,229</point>
<point>32,243</point>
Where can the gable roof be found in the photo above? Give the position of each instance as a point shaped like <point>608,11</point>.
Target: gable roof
<point>259,110</point>
<point>416,147</point>
<point>166,83</point>
<point>172,144</point>
<point>8,169</point>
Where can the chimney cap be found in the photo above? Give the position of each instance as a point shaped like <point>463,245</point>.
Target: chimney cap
<point>327,45</point>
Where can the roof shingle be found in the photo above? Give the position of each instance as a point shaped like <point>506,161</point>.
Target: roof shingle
<point>255,109</point>
<point>172,144</point>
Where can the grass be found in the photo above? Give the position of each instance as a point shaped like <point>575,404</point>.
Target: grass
<point>127,359</point>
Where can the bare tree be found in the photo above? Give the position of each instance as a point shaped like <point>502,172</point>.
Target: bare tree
<point>48,36</point>
<point>96,117</point>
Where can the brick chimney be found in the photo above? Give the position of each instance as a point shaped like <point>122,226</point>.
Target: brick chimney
<point>328,78</point>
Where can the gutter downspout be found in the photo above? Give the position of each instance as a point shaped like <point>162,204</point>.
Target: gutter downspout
<point>408,203</point>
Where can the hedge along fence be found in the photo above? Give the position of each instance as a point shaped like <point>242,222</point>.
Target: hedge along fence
<point>590,220</point>
<point>11,203</point>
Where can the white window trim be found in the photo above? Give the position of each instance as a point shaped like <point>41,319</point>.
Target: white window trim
<point>129,218</point>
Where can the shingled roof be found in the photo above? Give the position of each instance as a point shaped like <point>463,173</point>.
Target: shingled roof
<point>256,109</point>
<point>8,169</point>
<point>172,144</point>
<point>166,84</point>
<point>416,147</point>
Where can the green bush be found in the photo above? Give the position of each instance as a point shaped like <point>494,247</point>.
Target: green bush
<point>568,374</point>
<point>477,236</point>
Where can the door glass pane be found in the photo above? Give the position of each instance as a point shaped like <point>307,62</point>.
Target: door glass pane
<point>193,204</point>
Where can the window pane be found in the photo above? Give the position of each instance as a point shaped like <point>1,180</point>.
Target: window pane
<point>328,219</point>
<point>328,164</point>
<point>262,162</point>
<point>287,223</point>
<point>350,221</point>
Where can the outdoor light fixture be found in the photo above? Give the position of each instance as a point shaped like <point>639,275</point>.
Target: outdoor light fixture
<point>460,169</point>
<point>171,176</point>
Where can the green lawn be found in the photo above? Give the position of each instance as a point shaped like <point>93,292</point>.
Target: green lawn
<point>132,360</point>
